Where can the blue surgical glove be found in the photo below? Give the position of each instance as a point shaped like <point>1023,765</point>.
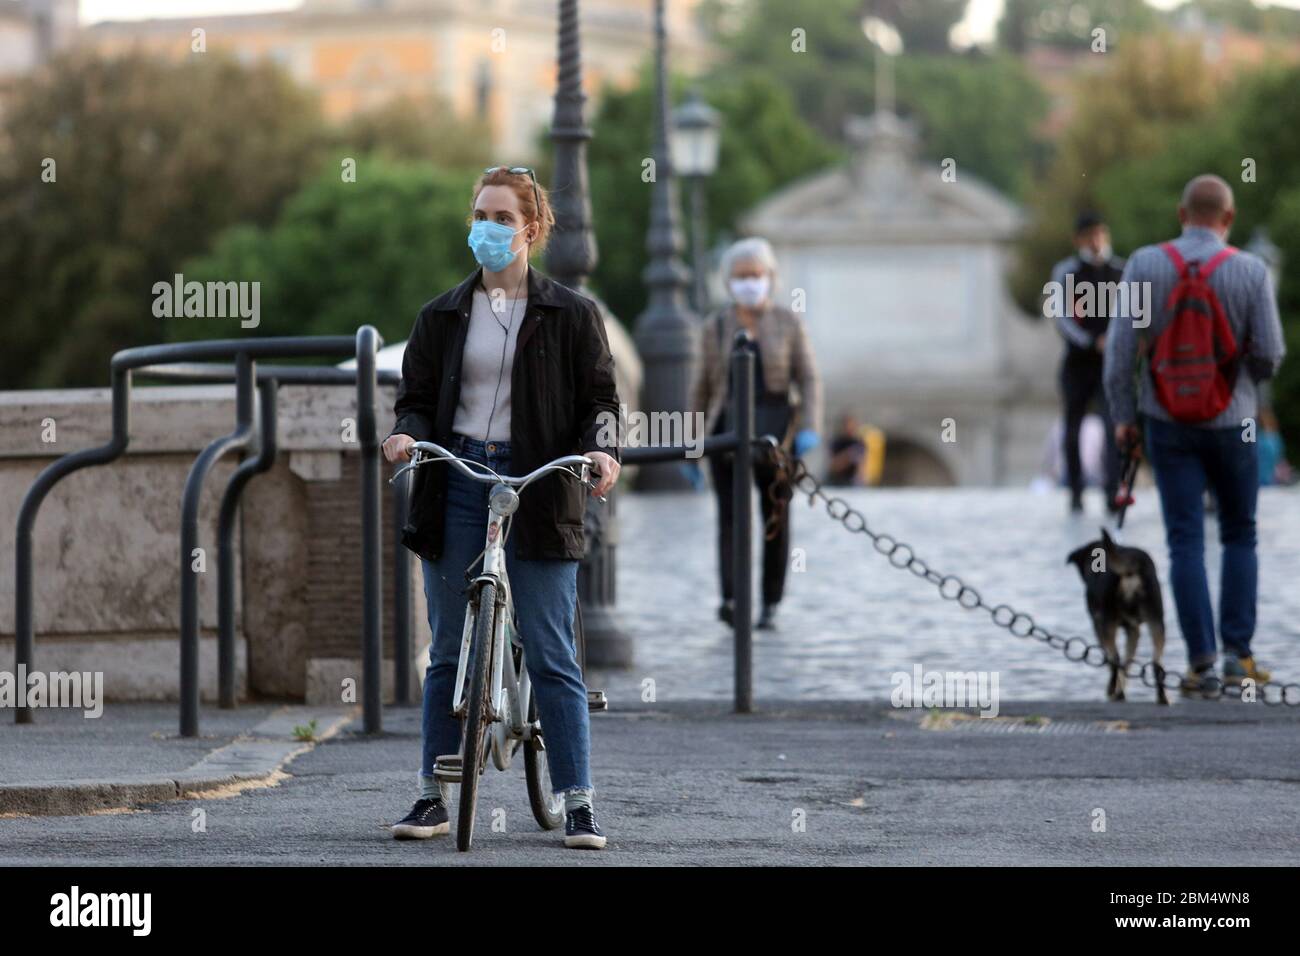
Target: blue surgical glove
<point>805,441</point>
<point>694,474</point>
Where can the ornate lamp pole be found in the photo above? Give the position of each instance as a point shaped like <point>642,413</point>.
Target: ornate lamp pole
<point>666,330</point>
<point>570,258</point>
<point>694,148</point>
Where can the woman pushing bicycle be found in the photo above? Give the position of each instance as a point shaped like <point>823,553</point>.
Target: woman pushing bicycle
<point>509,370</point>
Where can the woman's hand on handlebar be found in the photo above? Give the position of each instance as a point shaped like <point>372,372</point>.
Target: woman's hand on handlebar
<point>605,469</point>
<point>398,448</point>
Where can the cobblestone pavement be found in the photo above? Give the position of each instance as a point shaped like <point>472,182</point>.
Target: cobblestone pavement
<point>850,621</point>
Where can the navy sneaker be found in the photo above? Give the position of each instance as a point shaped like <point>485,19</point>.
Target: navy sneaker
<point>582,831</point>
<point>428,818</point>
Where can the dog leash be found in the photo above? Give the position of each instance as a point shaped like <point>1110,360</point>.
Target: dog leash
<point>1124,494</point>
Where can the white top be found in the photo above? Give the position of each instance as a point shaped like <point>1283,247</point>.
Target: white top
<point>484,408</point>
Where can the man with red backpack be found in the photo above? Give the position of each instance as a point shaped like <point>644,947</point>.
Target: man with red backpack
<point>1209,333</point>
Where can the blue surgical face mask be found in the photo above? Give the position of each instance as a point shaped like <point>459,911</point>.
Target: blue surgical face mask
<point>491,243</point>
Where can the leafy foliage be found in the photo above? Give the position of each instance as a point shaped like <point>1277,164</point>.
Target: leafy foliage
<point>344,254</point>
<point>152,158</point>
<point>764,145</point>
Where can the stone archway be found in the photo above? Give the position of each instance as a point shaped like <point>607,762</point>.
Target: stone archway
<point>911,463</point>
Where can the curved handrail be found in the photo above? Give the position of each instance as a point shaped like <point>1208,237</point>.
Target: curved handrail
<point>145,360</point>
<point>213,373</point>
<point>236,440</point>
<point>268,390</point>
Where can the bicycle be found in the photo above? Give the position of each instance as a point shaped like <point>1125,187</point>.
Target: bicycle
<point>499,712</point>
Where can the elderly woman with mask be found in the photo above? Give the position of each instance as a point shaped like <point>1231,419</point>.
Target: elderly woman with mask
<point>788,395</point>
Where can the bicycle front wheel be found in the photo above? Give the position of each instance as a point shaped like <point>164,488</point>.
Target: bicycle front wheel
<point>478,713</point>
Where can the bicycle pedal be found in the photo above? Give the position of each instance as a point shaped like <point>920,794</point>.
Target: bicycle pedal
<point>597,701</point>
<point>447,769</point>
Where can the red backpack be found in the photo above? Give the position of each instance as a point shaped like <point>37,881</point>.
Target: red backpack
<point>1194,361</point>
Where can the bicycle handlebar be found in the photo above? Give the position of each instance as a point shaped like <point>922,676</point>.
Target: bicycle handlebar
<point>427,451</point>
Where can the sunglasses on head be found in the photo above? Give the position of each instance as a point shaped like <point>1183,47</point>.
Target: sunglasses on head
<point>521,171</point>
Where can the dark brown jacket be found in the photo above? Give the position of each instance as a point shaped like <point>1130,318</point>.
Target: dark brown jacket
<point>562,382</point>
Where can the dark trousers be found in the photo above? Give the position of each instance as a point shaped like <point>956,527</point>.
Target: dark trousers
<point>1080,385</point>
<point>776,550</point>
<point>1188,460</point>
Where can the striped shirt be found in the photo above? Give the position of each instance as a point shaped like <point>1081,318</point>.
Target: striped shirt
<point>1070,328</point>
<point>1245,290</point>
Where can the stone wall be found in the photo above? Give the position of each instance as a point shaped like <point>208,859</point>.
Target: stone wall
<point>106,543</point>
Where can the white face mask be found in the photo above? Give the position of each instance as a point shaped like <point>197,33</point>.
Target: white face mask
<point>750,292</point>
<point>1098,258</point>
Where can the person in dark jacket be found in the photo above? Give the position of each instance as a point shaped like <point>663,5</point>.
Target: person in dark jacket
<point>511,369</point>
<point>1080,301</point>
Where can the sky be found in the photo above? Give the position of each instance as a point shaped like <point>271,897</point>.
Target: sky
<point>979,25</point>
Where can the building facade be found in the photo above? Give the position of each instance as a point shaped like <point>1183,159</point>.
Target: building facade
<point>31,31</point>
<point>899,265</point>
<point>489,58</point>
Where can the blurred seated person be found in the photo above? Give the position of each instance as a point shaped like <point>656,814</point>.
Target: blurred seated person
<point>1053,471</point>
<point>848,451</point>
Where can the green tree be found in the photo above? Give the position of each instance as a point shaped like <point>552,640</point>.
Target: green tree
<point>344,254</point>
<point>817,51</point>
<point>420,129</point>
<point>764,145</point>
<point>1149,93</point>
<point>144,160</point>
<point>1070,23</point>
<point>985,111</point>
<point>982,110</point>
<point>924,25</point>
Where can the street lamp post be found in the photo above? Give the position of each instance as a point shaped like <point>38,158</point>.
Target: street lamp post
<point>666,331</point>
<point>694,148</point>
<point>570,258</point>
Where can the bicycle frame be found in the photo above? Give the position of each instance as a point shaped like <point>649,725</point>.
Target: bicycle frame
<point>511,688</point>
<point>510,691</point>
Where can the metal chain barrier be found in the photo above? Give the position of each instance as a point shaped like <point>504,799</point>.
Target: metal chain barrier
<point>952,588</point>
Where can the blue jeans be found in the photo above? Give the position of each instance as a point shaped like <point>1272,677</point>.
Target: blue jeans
<point>1186,461</point>
<point>545,595</point>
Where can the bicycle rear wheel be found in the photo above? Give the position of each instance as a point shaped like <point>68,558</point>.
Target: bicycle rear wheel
<point>548,809</point>
<point>477,717</point>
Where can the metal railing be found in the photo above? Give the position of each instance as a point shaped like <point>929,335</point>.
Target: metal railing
<point>184,362</point>
<point>740,441</point>
<point>191,362</point>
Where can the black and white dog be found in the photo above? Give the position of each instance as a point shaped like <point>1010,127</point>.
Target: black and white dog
<point>1123,591</point>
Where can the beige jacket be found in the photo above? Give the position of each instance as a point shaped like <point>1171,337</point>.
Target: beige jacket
<point>788,365</point>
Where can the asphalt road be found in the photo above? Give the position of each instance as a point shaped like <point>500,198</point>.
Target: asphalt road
<point>1201,783</point>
